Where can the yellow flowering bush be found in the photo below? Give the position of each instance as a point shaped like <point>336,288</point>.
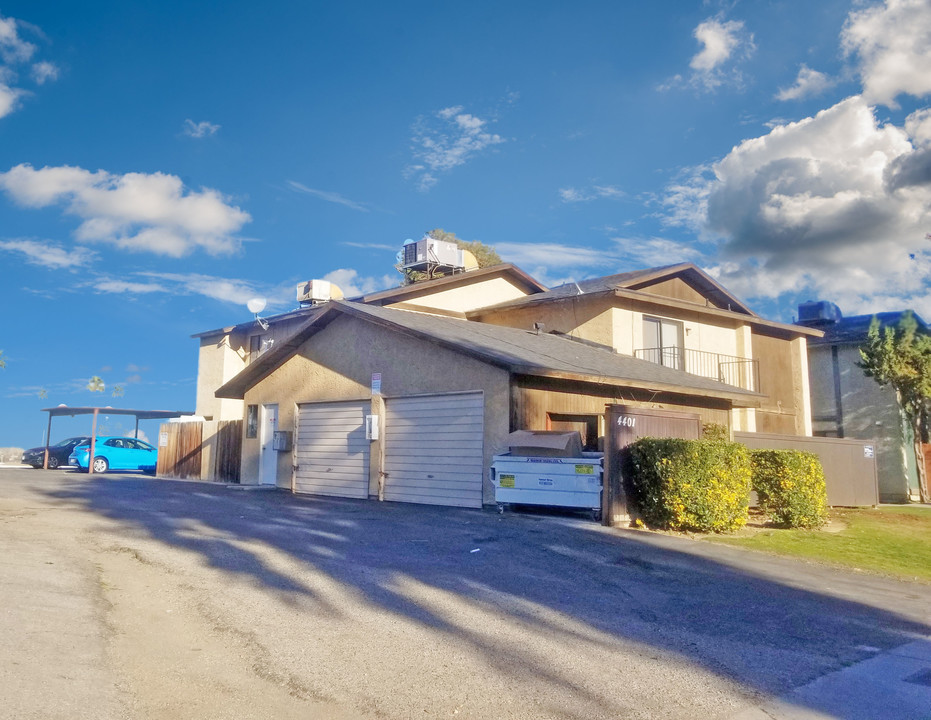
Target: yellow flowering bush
<point>698,485</point>
<point>790,487</point>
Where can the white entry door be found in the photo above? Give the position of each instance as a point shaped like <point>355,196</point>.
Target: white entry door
<point>268,458</point>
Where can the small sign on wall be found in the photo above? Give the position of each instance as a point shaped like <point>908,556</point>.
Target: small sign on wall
<point>376,383</point>
<point>867,451</point>
<point>163,439</point>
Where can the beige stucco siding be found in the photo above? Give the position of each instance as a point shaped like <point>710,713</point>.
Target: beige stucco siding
<point>219,359</point>
<point>337,364</point>
<point>468,297</point>
<point>584,317</point>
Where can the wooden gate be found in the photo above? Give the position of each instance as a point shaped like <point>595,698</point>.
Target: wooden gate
<point>624,425</point>
<point>209,450</point>
<point>179,449</point>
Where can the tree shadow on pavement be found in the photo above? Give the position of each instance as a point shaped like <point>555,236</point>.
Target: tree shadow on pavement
<point>747,621</point>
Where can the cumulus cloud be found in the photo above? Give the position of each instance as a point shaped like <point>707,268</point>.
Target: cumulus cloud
<point>723,44</point>
<point>49,255</point>
<point>353,285</point>
<point>893,44</point>
<point>449,139</point>
<point>836,205</point>
<point>808,84</point>
<point>328,196</point>
<point>199,130</point>
<point>596,192</point>
<point>136,211</point>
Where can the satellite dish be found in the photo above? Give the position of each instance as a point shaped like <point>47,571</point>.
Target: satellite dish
<point>256,305</point>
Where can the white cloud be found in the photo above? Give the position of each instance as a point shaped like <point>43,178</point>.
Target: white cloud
<point>893,43</point>
<point>596,192</point>
<point>13,49</point>
<point>331,197</point>
<point>9,98</point>
<point>552,255</point>
<point>44,71</point>
<point>49,255</point>
<point>136,211</point>
<point>352,285</point>
<point>125,287</point>
<point>836,206</point>
<point>654,252</point>
<point>723,43</point>
<point>808,84</point>
<point>440,147</point>
<point>234,291</point>
<point>199,130</point>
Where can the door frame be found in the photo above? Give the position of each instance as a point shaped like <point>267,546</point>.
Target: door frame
<point>268,456</point>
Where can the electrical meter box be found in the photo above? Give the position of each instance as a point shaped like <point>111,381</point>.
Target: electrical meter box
<point>281,440</point>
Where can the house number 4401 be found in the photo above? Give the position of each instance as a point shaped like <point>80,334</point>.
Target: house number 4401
<point>626,421</point>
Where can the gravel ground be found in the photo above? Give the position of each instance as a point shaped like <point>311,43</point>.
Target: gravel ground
<point>128,597</point>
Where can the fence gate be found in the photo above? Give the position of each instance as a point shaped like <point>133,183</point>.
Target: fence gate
<point>624,425</point>
<point>179,450</point>
<point>210,450</point>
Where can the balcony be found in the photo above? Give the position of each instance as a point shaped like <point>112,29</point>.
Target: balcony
<point>737,371</point>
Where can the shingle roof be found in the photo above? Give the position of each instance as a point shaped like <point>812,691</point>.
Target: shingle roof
<point>519,351</point>
<point>635,280</point>
<point>853,330</point>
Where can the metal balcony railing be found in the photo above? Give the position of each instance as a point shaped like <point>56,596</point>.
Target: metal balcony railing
<point>737,371</point>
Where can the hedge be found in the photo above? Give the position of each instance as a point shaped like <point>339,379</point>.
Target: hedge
<point>697,485</point>
<point>790,487</point>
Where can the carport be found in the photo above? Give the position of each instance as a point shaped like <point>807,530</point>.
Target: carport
<point>63,410</point>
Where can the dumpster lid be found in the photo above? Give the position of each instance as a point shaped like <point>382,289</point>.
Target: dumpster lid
<point>554,441</point>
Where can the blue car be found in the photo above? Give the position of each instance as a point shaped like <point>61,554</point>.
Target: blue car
<point>116,453</point>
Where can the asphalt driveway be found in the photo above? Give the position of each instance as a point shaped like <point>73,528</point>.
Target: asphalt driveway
<point>197,600</point>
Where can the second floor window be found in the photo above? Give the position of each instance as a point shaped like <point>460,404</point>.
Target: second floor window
<point>662,342</point>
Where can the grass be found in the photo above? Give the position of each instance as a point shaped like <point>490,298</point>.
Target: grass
<point>892,541</point>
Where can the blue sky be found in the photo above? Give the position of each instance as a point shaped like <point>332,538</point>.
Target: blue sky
<point>162,163</point>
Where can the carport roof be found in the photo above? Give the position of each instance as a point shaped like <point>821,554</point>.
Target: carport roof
<point>519,351</point>
<point>62,410</point>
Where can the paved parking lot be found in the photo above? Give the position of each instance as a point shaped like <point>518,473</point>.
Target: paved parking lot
<point>124,596</point>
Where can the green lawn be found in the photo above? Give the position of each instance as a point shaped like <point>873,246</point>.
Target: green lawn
<point>894,541</point>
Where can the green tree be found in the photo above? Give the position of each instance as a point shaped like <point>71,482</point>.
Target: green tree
<point>96,384</point>
<point>2,361</point>
<point>900,356</point>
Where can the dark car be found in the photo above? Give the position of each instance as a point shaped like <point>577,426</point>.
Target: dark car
<point>57,454</point>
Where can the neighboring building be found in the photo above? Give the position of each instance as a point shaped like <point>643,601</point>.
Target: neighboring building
<point>848,404</point>
<point>407,394</point>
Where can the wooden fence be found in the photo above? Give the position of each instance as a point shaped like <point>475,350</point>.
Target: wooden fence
<point>208,450</point>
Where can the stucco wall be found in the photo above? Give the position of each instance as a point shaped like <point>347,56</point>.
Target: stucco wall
<point>219,359</point>
<point>468,297</point>
<point>337,364</point>
<point>867,412</point>
<point>589,318</point>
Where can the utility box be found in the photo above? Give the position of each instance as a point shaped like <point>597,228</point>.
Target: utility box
<point>281,440</point>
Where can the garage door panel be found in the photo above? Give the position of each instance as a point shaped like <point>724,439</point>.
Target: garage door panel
<point>331,452</point>
<point>440,436</point>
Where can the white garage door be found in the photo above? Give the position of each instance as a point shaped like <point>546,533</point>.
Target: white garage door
<point>332,454</point>
<point>433,449</point>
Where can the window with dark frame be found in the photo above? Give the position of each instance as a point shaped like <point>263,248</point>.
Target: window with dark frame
<point>252,421</point>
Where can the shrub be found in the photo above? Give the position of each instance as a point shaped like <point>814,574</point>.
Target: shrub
<point>698,485</point>
<point>790,487</point>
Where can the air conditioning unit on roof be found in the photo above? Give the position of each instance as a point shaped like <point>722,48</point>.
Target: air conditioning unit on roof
<point>313,292</point>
